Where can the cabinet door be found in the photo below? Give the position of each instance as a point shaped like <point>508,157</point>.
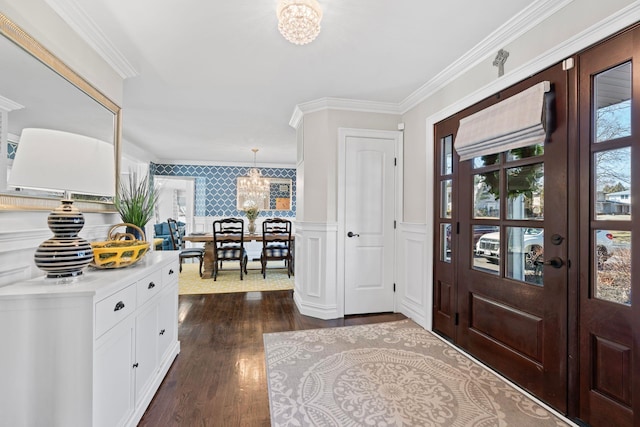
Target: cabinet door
<point>113,399</point>
<point>168,321</point>
<point>146,361</point>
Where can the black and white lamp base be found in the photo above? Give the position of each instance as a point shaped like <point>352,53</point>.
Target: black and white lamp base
<point>65,254</point>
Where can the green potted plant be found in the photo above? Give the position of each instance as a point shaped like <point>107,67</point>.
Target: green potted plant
<point>136,200</point>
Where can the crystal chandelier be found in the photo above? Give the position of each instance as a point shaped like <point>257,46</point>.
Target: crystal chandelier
<point>253,187</point>
<point>299,20</point>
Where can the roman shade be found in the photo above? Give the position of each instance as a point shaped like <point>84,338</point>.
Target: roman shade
<point>516,122</point>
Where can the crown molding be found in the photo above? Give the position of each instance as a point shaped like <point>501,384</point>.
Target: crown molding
<point>524,21</point>
<point>7,105</point>
<point>597,32</point>
<point>229,164</point>
<point>296,117</point>
<point>520,24</point>
<point>71,12</point>
<point>528,18</point>
<point>341,104</point>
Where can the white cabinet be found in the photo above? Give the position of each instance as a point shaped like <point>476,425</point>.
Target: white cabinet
<point>92,352</point>
<point>168,330</point>
<point>113,389</point>
<point>146,355</point>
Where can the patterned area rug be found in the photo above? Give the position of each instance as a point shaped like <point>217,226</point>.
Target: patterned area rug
<point>387,374</point>
<point>189,281</point>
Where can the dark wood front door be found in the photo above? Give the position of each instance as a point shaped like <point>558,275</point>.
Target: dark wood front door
<point>534,270</point>
<point>609,131</point>
<point>513,217</point>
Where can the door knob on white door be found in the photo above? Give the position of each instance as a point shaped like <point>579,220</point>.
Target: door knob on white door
<point>352,234</point>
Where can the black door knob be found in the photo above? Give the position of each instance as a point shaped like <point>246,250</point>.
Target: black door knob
<point>352,234</point>
<point>554,262</point>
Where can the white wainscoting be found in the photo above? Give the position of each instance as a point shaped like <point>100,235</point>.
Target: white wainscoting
<point>316,292</point>
<point>21,232</point>
<point>414,287</point>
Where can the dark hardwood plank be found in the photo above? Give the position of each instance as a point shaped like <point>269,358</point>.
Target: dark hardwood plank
<point>219,377</point>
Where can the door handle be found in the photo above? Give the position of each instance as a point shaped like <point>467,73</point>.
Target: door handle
<point>352,234</point>
<point>554,262</point>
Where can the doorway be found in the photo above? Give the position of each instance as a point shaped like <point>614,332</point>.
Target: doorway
<point>175,200</point>
<point>509,309</point>
<point>534,249</point>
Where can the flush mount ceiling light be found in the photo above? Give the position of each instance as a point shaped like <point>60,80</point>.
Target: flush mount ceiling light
<point>299,20</point>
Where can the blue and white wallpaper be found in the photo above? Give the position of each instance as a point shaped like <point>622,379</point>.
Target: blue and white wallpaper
<point>216,186</point>
<point>11,150</point>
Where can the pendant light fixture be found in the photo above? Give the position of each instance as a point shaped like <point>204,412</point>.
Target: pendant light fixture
<point>254,186</point>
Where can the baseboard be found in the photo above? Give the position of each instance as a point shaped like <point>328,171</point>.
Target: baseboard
<point>324,312</point>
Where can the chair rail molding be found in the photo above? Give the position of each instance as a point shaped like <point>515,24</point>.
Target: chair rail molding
<point>12,240</point>
<point>414,289</point>
<point>315,290</point>
<point>10,273</point>
<point>17,246</point>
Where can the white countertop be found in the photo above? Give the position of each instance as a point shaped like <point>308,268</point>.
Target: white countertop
<point>93,281</point>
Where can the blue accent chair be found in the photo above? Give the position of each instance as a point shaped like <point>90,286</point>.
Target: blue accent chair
<point>161,231</point>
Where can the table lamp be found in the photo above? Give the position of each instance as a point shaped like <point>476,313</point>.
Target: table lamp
<point>54,160</point>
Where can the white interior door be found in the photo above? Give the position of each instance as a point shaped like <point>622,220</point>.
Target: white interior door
<point>369,224</point>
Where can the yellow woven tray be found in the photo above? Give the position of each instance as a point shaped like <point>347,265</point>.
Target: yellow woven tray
<point>121,250</point>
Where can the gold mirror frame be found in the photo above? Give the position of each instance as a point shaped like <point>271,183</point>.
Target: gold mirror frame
<point>23,40</point>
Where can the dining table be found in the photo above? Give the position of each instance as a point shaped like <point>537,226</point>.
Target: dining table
<point>207,239</point>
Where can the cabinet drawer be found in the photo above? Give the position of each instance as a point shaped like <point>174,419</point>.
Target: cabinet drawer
<point>148,287</point>
<point>113,309</point>
<point>170,272</point>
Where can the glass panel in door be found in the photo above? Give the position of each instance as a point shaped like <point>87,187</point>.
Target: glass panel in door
<point>608,322</point>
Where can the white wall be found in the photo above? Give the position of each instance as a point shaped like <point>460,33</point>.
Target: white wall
<point>320,165</point>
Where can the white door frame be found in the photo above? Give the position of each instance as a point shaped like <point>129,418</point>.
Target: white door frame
<point>343,134</point>
<point>190,203</point>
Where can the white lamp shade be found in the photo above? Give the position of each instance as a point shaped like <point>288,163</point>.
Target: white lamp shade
<point>54,160</point>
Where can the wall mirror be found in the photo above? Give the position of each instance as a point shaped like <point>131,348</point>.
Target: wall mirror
<point>278,199</point>
<point>38,90</point>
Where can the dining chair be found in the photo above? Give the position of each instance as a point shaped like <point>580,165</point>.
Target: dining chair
<point>178,245</point>
<point>276,243</point>
<point>228,244</point>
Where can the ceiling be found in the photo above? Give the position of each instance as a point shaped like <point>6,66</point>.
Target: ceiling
<point>206,81</point>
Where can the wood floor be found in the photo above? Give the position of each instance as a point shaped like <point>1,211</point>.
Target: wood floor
<point>219,378</point>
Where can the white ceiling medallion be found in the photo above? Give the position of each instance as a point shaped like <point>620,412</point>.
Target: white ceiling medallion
<point>299,20</point>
